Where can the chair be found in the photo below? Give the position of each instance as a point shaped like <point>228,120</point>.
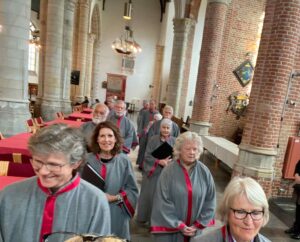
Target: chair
<point>14,169</point>
<point>31,126</point>
<point>77,108</point>
<point>1,136</point>
<point>39,122</point>
<point>15,157</point>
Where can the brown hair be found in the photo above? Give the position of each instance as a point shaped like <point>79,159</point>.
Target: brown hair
<point>119,140</point>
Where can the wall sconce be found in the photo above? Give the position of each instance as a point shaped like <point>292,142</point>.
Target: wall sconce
<point>127,10</point>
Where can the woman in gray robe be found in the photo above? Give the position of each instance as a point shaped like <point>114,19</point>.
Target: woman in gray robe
<point>116,170</point>
<point>244,210</point>
<point>56,199</point>
<point>185,197</point>
<point>152,169</point>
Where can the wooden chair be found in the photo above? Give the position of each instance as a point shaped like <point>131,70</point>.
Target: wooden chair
<point>60,115</point>
<point>31,125</point>
<point>14,169</point>
<point>15,157</point>
<point>1,136</point>
<point>39,122</point>
<point>77,108</point>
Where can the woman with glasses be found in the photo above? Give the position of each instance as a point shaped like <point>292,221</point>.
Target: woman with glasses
<point>116,170</point>
<point>185,197</point>
<point>244,209</point>
<point>56,199</point>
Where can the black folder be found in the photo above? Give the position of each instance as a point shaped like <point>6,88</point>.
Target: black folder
<point>163,151</point>
<point>91,175</point>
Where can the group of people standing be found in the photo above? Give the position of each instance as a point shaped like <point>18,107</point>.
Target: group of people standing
<point>177,197</point>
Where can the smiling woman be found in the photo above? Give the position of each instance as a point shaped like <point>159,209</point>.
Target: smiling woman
<point>47,201</point>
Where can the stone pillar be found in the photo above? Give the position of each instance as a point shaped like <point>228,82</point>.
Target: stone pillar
<point>52,88</point>
<point>82,46</point>
<point>14,35</point>
<point>155,92</point>
<point>96,75</point>
<point>67,57</point>
<point>208,65</point>
<point>276,59</point>
<point>182,29</point>
<point>89,65</point>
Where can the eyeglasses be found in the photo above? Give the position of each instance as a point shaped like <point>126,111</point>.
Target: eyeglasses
<point>74,237</point>
<point>242,214</point>
<point>36,164</point>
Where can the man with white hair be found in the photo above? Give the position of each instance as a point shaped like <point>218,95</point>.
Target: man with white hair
<point>100,114</point>
<point>155,128</point>
<point>125,125</point>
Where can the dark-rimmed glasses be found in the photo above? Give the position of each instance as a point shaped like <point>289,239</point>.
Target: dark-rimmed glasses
<point>242,214</point>
<point>36,164</point>
<point>63,236</point>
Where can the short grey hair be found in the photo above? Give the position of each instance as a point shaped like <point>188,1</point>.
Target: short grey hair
<point>243,186</point>
<point>59,138</point>
<point>166,121</point>
<point>187,136</point>
<point>168,107</point>
<point>101,105</point>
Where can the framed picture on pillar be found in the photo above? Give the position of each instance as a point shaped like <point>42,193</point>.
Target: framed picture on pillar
<point>244,73</point>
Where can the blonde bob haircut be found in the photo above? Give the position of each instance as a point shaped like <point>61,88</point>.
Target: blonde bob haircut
<point>187,136</point>
<point>247,187</point>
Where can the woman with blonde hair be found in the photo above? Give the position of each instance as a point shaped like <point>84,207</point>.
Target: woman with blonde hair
<point>244,210</point>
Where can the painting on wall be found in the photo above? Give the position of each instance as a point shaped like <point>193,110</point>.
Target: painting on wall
<point>244,73</point>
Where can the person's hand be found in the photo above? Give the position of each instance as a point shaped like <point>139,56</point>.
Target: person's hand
<point>111,198</point>
<point>189,231</point>
<point>165,162</point>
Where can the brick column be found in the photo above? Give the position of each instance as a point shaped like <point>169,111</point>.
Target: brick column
<point>82,46</point>
<point>14,35</point>
<point>96,74</point>
<point>208,65</point>
<point>276,59</point>
<point>89,65</point>
<point>182,29</point>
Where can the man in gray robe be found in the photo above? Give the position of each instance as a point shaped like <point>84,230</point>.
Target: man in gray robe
<point>167,113</point>
<point>152,168</point>
<point>81,208</point>
<point>125,125</point>
<point>145,117</point>
<point>182,199</point>
<point>100,114</point>
<point>119,178</point>
<point>145,107</point>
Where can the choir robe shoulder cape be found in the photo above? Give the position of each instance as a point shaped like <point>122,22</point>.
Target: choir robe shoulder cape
<point>151,172</point>
<point>82,209</point>
<point>182,199</point>
<point>222,235</point>
<point>119,179</point>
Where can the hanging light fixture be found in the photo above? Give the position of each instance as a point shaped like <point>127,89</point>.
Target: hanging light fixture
<point>127,10</point>
<point>126,45</point>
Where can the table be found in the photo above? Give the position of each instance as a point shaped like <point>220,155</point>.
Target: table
<point>71,123</point>
<point>86,116</point>
<point>6,180</point>
<point>87,110</point>
<point>15,144</point>
<point>223,149</point>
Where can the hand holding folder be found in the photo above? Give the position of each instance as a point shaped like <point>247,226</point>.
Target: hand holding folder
<point>163,151</point>
<point>91,175</point>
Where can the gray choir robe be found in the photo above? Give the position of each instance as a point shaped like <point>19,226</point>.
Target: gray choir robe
<point>139,119</point>
<point>119,179</point>
<point>221,235</point>
<point>151,173</point>
<point>146,117</point>
<point>83,209</point>
<point>182,198</point>
<point>88,129</point>
<point>155,129</point>
<point>127,130</point>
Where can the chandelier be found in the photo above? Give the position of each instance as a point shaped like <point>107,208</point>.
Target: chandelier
<point>34,36</point>
<point>125,44</point>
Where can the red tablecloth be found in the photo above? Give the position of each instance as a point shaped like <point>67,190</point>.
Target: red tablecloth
<point>87,116</point>
<point>15,144</point>
<point>63,121</point>
<point>6,180</point>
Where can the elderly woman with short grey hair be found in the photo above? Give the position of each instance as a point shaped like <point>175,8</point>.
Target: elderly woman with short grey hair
<point>152,167</point>
<point>244,210</point>
<point>185,196</point>
<point>56,199</point>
